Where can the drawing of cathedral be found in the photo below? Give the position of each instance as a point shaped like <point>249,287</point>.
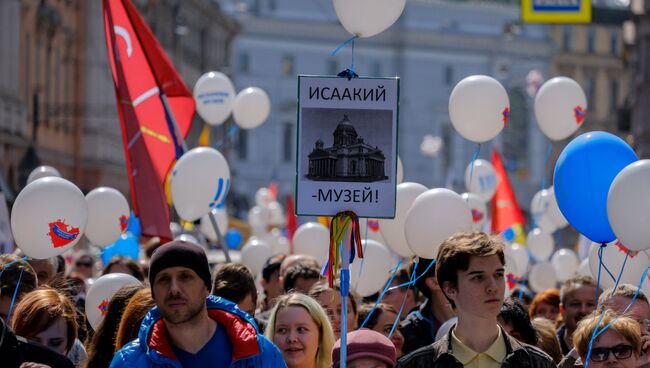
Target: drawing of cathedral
<point>349,159</point>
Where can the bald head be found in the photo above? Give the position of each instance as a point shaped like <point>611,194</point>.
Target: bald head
<point>295,259</point>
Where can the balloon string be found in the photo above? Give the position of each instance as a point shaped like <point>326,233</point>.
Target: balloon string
<point>341,46</point>
<point>416,279</point>
<point>231,133</point>
<point>363,260</point>
<point>13,299</point>
<point>474,157</point>
<point>399,314</point>
<point>386,288</point>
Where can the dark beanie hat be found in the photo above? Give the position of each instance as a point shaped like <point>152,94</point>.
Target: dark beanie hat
<point>365,343</point>
<point>179,253</point>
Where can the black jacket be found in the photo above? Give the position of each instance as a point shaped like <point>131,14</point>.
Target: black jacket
<point>15,350</point>
<point>440,355</point>
<point>419,328</point>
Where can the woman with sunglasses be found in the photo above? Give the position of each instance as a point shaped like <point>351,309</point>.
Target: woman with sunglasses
<point>617,346</point>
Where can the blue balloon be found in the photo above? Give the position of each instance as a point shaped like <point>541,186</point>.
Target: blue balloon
<point>126,246</point>
<point>134,225</point>
<point>583,174</point>
<point>233,238</point>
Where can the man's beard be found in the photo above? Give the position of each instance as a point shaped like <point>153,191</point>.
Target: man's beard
<point>183,315</point>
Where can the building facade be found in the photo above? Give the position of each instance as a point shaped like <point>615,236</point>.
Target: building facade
<point>57,99</point>
<point>433,46</point>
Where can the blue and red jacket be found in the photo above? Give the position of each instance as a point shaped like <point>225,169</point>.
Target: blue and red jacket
<point>152,348</point>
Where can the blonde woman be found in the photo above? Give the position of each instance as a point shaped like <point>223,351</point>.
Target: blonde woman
<point>299,326</point>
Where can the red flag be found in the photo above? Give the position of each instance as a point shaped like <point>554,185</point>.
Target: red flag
<point>507,218</point>
<point>151,99</point>
<point>292,221</point>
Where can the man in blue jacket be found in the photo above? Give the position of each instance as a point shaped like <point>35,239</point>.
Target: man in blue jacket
<point>189,328</point>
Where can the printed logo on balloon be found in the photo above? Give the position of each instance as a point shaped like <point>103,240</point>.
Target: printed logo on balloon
<point>62,234</point>
<point>103,306</point>
<point>124,222</point>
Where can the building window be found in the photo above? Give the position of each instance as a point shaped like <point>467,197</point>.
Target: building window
<point>242,144</point>
<point>376,69</point>
<point>287,142</point>
<point>287,65</point>
<point>243,62</point>
<point>613,96</point>
<point>332,67</point>
<point>566,37</point>
<point>613,42</point>
<point>591,40</point>
<point>449,75</point>
<point>590,89</point>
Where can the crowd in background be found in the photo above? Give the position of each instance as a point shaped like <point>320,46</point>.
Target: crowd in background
<point>290,315</point>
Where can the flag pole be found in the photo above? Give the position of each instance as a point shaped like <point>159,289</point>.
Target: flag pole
<point>220,244</point>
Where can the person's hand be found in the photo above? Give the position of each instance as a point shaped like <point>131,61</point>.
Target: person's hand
<point>34,365</point>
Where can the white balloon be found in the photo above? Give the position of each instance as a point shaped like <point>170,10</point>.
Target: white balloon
<point>255,253</point>
<point>564,262</point>
<point>259,217</point>
<point>540,244</point>
<point>214,95</point>
<point>101,293</point>
<point>479,210</point>
<point>251,108</point>
<point>313,239</point>
<point>478,108</point>
<point>628,205</point>
<point>276,214</point>
<point>583,269</point>
<point>221,216</point>
<point>434,216</point>
<point>400,171</point>
<point>613,258</point>
<point>42,172</point>
<point>282,246</point>
<point>542,277</point>
<point>519,255</point>
<point>48,217</point>
<point>108,215</point>
<point>377,261</point>
<point>188,238</point>
<point>263,197</point>
<point>560,106</point>
<point>175,228</point>
<point>366,18</point>
<point>546,212</point>
<point>200,182</point>
<point>393,229</point>
<point>483,180</point>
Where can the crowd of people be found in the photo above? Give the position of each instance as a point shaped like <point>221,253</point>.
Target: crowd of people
<point>186,314</point>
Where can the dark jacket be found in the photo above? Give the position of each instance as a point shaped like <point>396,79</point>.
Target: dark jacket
<point>153,348</point>
<point>15,350</point>
<point>419,328</point>
<point>440,355</point>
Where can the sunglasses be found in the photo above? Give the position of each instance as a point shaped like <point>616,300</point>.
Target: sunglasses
<point>620,351</point>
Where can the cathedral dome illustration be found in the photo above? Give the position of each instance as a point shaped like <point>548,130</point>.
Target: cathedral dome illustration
<point>349,159</point>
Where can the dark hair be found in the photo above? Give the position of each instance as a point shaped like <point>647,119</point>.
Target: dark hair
<point>299,271</point>
<point>101,347</point>
<point>365,309</point>
<point>272,265</point>
<point>514,314</point>
<point>456,252</point>
<point>132,265</point>
<point>422,276</point>
<point>11,274</point>
<point>234,281</point>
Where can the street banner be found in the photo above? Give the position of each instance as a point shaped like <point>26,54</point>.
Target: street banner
<point>347,146</point>
<point>556,11</point>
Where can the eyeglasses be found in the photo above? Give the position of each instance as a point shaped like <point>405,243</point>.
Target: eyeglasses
<point>620,351</point>
<point>83,264</point>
